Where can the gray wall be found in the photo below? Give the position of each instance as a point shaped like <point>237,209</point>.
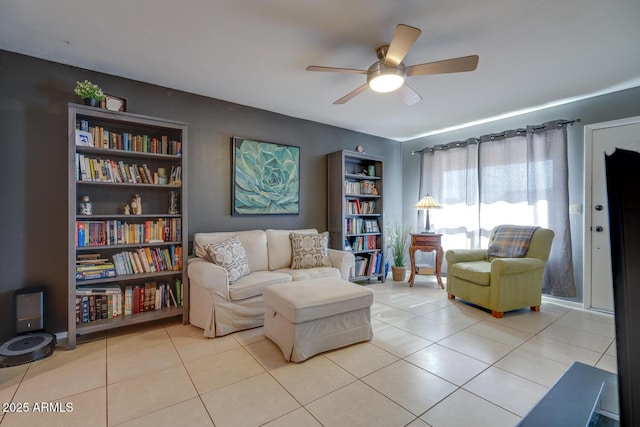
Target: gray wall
<point>594,110</point>
<point>33,124</point>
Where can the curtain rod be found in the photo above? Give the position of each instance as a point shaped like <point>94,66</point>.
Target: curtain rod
<point>492,136</point>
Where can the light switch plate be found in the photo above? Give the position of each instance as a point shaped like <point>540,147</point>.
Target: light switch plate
<point>575,208</point>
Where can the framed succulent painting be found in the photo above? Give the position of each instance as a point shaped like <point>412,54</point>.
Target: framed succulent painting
<point>266,178</point>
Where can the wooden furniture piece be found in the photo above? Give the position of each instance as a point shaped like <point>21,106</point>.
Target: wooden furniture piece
<point>426,242</point>
<point>115,158</point>
<point>355,210</point>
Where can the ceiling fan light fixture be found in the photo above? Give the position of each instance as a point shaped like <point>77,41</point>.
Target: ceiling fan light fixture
<point>385,79</point>
<point>389,72</point>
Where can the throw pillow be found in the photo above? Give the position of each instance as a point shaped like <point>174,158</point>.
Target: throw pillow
<point>309,250</point>
<point>230,255</point>
<point>511,241</point>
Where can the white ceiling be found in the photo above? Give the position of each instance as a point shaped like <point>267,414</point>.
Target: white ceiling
<point>254,52</point>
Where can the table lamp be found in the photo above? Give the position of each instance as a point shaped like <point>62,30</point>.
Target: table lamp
<point>426,203</point>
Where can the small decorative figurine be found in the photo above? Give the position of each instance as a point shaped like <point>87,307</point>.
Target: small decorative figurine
<point>136,205</point>
<point>86,207</point>
<point>173,202</point>
<point>127,209</point>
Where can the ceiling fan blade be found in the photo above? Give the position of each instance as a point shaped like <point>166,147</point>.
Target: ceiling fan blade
<point>403,38</point>
<point>335,70</point>
<point>408,95</point>
<point>454,65</point>
<point>348,97</point>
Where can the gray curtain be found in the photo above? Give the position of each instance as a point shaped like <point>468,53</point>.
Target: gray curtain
<point>517,177</point>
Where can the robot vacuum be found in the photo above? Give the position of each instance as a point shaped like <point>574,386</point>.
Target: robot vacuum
<point>32,343</point>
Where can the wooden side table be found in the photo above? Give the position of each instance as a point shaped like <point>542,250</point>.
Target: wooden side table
<point>425,242</point>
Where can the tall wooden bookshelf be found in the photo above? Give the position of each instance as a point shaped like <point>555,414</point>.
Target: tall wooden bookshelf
<point>355,210</point>
<point>104,168</point>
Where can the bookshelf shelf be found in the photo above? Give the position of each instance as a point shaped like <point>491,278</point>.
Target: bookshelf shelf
<point>130,319</point>
<point>129,184</point>
<point>355,210</point>
<point>128,277</point>
<point>123,216</point>
<point>361,196</point>
<point>126,156</point>
<point>125,246</point>
<point>362,176</point>
<point>110,152</point>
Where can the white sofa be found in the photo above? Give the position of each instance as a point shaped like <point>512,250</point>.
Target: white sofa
<point>220,308</point>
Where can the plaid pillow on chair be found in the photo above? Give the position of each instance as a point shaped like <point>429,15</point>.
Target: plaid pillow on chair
<point>511,241</point>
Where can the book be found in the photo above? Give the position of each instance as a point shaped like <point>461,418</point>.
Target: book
<point>78,309</point>
<point>98,289</point>
<point>92,275</point>
<point>85,308</point>
<point>179,292</point>
<point>92,308</point>
<point>135,307</point>
<point>95,267</point>
<point>173,297</point>
<point>128,300</point>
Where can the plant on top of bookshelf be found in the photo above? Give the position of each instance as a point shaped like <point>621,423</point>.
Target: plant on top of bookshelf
<point>89,91</point>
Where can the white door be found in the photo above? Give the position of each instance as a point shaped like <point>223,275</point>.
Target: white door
<point>604,138</point>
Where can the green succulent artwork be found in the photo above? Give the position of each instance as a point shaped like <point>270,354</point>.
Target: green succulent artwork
<point>266,178</point>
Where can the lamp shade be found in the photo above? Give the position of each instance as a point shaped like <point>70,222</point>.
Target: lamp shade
<point>382,78</point>
<point>427,202</point>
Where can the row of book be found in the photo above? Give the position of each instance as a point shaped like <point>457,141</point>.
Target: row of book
<point>368,265</point>
<point>361,243</point>
<point>360,187</point>
<point>117,232</point>
<point>102,271</point>
<point>148,260</point>
<point>92,266</point>
<point>355,207</point>
<point>126,141</point>
<point>107,170</point>
<point>141,260</point>
<point>99,303</point>
<point>360,225</point>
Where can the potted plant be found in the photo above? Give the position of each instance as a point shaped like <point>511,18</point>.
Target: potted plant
<point>90,93</point>
<point>397,242</point>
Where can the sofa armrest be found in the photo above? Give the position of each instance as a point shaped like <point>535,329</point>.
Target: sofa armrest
<point>515,265</point>
<point>209,276</point>
<point>465,255</point>
<point>343,261</point>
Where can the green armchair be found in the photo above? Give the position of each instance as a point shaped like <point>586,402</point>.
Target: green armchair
<point>496,283</point>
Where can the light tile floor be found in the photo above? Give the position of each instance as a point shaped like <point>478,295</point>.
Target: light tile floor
<point>432,362</point>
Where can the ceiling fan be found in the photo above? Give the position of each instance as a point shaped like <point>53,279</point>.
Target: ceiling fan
<point>389,72</point>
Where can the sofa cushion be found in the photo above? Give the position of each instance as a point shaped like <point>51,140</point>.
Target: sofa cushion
<point>279,247</point>
<point>230,255</point>
<point>254,243</point>
<point>310,273</point>
<point>309,250</point>
<point>254,283</point>
<point>510,241</point>
<point>473,271</point>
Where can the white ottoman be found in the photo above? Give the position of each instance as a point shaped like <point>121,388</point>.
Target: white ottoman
<point>307,317</point>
